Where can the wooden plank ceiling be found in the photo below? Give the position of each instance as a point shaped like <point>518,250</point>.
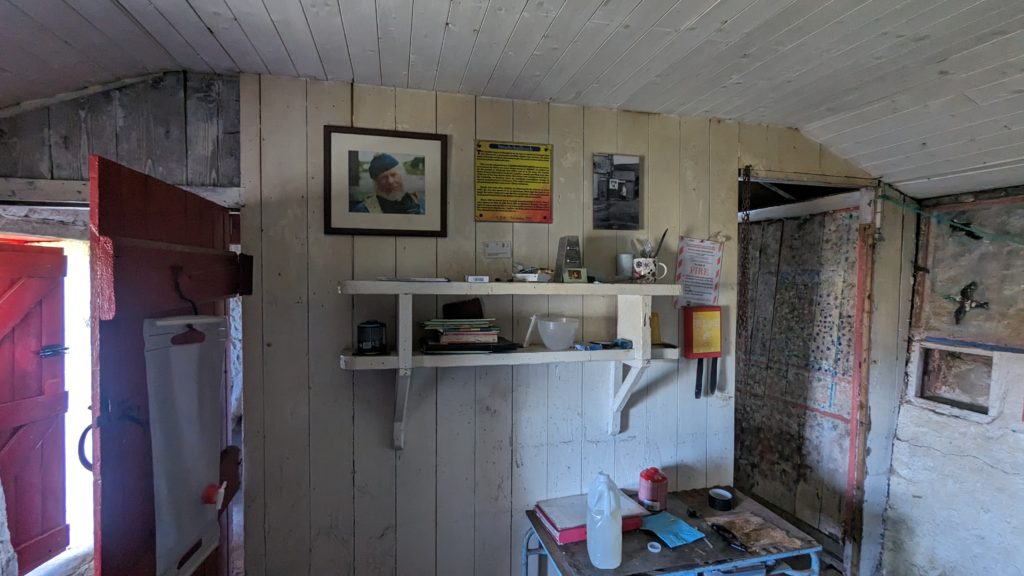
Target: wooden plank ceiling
<point>926,94</point>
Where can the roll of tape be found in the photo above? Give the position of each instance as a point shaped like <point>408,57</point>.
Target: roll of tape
<point>720,499</point>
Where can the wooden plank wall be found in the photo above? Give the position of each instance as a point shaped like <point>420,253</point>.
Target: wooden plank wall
<point>325,491</point>
<point>180,127</point>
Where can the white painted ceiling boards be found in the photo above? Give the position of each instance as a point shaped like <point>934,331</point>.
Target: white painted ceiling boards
<point>927,94</point>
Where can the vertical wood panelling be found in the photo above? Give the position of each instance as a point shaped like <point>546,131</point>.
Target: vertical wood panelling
<point>202,128</point>
<point>456,253</point>
<point>694,193</point>
<point>374,395</point>
<point>530,383</point>
<point>481,444</point>
<point>183,128</point>
<point>78,128</point>
<point>599,246</point>
<point>661,379</point>
<point>151,127</point>
<point>228,141</point>
<point>330,320</point>
<point>456,471</point>
<point>285,323</point>
<point>565,381</point>
<point>25,145</point>
<point>493,484</point>
<point>492,499</point>
<point>415,110</point>
<point>253,436</point>
<point>723,207</point>
<point>598,453</point>
<point>529,408</point>
<point>456,387</point>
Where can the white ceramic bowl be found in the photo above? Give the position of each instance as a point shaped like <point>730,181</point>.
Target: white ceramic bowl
<point>557,333</point>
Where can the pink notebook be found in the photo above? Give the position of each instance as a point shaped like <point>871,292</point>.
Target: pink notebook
<point>566,518</point>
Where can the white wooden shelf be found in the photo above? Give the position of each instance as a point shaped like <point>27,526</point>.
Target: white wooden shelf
<point>531,355</point>
<point>634,324</point>
<point>510,288</point>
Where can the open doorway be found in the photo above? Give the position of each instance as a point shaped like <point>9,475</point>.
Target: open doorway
<point>801,281</point>
<point>77,559</point>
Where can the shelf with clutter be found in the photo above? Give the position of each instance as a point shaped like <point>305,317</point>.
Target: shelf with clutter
<point>633,348</point>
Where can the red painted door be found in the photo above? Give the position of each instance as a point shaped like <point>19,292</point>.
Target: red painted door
<point>32,400</point>
<point>155,251</point>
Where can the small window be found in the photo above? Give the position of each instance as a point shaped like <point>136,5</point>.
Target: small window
<point>959,379</point>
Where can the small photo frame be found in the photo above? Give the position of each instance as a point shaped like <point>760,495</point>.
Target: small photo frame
<point>617,188</point>
<point>385,182</point>
<point>571,275</point>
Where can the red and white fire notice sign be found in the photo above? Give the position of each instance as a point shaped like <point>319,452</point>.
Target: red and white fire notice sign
<point>698,271</point>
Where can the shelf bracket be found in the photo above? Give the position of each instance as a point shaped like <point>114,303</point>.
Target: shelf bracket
<point>401,403</point>
<point>404,377</point>
<point>621,393</point>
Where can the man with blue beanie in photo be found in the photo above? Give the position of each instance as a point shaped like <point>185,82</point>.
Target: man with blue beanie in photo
<point>389,195</point>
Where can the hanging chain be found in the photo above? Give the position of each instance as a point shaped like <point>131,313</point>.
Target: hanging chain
<point>745,298</point>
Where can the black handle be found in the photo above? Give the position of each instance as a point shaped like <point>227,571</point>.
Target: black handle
<point>81,449</point>
<point>700,378</point>
<point>713,384</point>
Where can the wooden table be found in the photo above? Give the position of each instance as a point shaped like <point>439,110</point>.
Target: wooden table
<point>709,556</point>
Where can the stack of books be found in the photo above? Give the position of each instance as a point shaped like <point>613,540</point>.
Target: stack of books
<point>565,518</point>
<point>462,336</point>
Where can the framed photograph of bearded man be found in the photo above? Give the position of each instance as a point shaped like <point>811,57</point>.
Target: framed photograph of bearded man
<point>385,182</point>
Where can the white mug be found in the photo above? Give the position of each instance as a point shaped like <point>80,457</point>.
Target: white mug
<point>646,270</point>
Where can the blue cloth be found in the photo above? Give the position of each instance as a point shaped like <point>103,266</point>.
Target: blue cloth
<point>381,163</point>
<point>672,530</point>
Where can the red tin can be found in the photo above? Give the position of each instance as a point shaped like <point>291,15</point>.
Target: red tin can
<point>653,490</point>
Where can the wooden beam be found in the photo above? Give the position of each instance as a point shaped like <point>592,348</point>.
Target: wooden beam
<point>48,222</point>
<point>777,177</point>
<point>42,191</point>
<point>816,206</point>
<point>43,102</point>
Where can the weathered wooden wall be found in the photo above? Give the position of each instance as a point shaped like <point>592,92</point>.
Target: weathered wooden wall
<point>180,127</point>
<point>795,381</point>
<point>325,492</point>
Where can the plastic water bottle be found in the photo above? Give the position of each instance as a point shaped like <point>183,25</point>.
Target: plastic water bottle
<point>604,523</point>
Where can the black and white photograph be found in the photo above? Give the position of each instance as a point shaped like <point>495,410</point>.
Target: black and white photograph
<point>384,181</point>
<point>616,192</point>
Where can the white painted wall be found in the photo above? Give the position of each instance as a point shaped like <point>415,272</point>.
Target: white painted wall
<point>954,503</point>
<point>325,492</point>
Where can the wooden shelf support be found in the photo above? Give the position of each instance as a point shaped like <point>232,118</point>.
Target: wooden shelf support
<point>404,377</point>
<point>622,392</point>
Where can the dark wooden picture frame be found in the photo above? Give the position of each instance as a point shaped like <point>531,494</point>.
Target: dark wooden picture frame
<point>418,157</point>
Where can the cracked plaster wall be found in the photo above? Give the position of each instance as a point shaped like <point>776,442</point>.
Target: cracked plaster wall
<point>954,506</point>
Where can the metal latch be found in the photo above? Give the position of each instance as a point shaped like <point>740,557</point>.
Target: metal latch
<point>53,350</point>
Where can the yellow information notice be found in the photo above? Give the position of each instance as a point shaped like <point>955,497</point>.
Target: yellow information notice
<point>513,182</point>
<point>707,332</point>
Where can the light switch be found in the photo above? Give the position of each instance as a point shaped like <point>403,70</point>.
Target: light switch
<point>497,249</point>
